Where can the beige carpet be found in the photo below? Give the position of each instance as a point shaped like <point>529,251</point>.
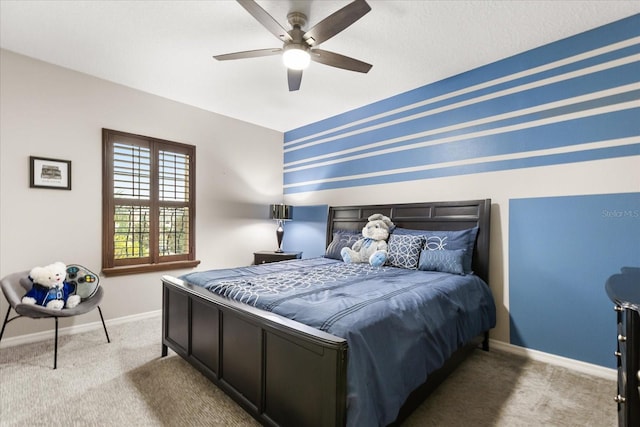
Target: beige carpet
<point>126,383</point>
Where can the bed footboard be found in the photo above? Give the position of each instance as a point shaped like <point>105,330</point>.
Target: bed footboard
<point>282,372</point>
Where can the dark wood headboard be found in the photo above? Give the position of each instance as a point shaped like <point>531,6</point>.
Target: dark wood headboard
<point>425,216</point>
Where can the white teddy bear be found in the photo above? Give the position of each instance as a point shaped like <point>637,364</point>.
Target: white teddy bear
<point>372,248</point>
<point>50,289</point>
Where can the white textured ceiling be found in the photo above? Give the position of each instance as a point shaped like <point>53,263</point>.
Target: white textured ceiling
<point>166,47</point>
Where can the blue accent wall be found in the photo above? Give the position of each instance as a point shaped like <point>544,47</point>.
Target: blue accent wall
<point>307,231</point>
<point>539,133</point>
<point>571,101</point>
<point>561,251</point>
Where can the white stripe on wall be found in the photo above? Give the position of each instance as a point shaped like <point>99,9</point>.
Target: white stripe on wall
<point>494,131</point>
<point>532,71</point>
<point>558,150</point>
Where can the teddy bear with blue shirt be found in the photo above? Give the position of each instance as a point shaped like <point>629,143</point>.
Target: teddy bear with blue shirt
<point>50,288</point>
<point>372,247</point>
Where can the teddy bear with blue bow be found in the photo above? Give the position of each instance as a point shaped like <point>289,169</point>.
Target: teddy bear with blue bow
<point>372,247</point>
<point>50,288</point>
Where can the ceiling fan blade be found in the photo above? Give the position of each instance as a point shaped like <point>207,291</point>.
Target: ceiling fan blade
<point>265,19</point>
<point>249,54</point>
<point>294,78</point>
<point>340,61</point>
<point>336,22</point>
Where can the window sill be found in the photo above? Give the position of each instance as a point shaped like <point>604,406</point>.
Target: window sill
<point>147,268</point>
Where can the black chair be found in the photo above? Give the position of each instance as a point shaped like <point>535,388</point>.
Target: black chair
<point>15,285</point>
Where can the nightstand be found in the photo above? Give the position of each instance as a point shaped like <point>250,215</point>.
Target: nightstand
<point>263,257</point>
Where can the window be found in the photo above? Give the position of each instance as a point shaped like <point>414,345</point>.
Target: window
<point>148,204</point>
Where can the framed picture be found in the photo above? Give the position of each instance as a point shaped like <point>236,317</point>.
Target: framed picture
<point>50,173</point>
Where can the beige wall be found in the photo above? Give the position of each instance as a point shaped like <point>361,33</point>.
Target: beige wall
<point>49,111</point>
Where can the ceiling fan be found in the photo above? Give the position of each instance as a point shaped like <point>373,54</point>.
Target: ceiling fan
<point>300,46</point>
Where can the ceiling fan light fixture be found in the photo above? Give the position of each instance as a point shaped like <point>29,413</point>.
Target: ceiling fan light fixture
<point>298,44</point>
<point>296,57</point>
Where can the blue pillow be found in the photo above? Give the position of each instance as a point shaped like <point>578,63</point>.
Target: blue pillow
<point>341,239</point>
<point>409,231</point>
<point>445,261</point>
<point>439,240</point>
<point>404,251</point>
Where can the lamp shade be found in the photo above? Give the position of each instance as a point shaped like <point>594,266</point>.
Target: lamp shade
<point>281,212</point>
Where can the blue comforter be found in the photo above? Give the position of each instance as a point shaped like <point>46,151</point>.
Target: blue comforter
<point>400,324</point>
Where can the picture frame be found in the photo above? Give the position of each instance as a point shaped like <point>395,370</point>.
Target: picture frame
<point>49,173</point>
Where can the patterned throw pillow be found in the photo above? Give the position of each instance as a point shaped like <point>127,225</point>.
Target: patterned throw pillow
<point>459,239</point>
<point>443,260</point>
<point>341,239</point>
<point>449,240</point>
<point>404,251</point>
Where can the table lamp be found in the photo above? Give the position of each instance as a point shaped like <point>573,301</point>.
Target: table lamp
<point>280,213</point>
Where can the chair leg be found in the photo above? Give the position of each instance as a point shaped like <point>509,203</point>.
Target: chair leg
<point>103,324</point>
<point>55,349</point>
<point>6,320</point>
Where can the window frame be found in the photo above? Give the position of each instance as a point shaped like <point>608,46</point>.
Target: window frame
<point>155,261</point>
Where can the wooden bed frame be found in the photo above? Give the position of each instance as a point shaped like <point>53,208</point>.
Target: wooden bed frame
<point>285,373</point>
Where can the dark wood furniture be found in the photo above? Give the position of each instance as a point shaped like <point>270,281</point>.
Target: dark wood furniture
<point>285,373</point>
<point>624,290</point>
<point>263,257</point>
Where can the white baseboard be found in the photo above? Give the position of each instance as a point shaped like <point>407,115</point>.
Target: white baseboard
<point>552,359</point>
<point>75,329</point>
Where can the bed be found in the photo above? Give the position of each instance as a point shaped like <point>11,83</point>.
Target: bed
<point>261,350</point>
